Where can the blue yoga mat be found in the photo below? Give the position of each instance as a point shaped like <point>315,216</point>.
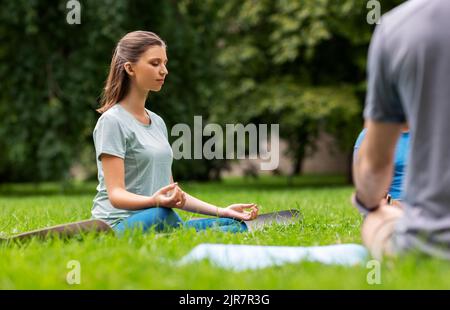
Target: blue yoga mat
<point>243,257</point>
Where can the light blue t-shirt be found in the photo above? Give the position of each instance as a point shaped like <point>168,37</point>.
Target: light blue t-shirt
<point>400,162</point>
<point>145,150</point>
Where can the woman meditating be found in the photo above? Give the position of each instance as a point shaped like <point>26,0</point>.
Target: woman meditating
<point>134,157</point>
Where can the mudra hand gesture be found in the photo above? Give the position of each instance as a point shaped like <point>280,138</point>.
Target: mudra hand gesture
<point>241,211</point>
<point>170,196</point>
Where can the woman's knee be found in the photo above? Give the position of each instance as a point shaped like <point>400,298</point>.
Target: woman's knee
<point>159,213</point>
<point>157,218</point>
<point>165,216</point>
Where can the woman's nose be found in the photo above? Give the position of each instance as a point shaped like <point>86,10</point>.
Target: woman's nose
<point>164,71</point>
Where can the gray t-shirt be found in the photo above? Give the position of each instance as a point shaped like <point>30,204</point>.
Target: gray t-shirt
<point>409,79</point>
<point>146,153</point>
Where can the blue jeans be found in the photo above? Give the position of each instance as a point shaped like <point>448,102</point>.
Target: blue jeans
<point>165,218</point>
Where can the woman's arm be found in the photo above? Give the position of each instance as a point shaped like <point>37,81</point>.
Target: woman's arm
<point>113,171</point>
<point>196,205</point>
<point>236,211</point>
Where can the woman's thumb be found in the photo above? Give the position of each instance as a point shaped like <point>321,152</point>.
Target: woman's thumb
<point>168,188</point>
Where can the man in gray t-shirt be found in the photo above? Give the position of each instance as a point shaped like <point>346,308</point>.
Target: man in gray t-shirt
<point>408,80</point>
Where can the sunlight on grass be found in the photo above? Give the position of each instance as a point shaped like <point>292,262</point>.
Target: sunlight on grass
<point>147,261</point>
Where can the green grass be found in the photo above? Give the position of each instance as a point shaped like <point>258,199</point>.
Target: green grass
<point>147,261</point>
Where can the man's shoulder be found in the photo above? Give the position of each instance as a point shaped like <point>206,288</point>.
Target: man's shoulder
<point>407,16</point>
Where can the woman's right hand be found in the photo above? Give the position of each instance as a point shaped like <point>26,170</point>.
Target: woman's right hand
<point>170,196</point>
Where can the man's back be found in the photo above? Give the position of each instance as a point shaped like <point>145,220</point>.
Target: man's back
<point>409,79</point>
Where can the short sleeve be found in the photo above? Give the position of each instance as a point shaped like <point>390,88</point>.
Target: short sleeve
<point>382,101</point>
<point>162,126</point>
<point>109,137</point>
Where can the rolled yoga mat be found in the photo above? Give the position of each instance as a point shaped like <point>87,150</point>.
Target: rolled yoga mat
<point>284,217</point>
<point>75,228</point>
<point>63,230</point>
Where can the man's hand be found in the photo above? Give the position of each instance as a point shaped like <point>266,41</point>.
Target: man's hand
<point>378,228</point>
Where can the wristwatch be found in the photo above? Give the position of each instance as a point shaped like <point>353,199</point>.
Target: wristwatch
<point>361,207</point>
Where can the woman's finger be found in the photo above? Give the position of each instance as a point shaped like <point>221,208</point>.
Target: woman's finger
<point>242,206</point>
<point>167,188</point>
<point>182,201</point>
<point>177,192</point>
<point>256,209</point>
<point>174,196</point>
<point>246,205</point>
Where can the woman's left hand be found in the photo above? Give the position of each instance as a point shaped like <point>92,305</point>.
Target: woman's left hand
<point>239,211</point>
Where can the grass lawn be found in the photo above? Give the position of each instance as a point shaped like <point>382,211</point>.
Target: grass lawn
<point>146,261</point>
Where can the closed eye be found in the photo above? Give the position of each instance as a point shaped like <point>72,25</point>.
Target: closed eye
<point>156,62</point>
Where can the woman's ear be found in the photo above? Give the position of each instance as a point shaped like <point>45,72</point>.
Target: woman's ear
<point>128,68</point>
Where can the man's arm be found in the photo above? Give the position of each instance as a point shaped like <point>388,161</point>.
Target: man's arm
<point>373,167</point>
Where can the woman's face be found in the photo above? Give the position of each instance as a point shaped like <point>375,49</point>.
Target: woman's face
<point>150,70</point>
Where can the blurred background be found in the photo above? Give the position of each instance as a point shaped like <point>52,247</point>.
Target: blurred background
<point>298,63</point>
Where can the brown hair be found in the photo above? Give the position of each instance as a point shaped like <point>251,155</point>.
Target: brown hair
<point>129,48</point>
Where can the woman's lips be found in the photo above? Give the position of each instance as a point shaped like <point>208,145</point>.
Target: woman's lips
<point>161,81</point>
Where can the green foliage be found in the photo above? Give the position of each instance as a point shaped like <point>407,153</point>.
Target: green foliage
<point>224,55</point>
<point>190,29</point>
<point>52,75</point>
<point>296,63</point>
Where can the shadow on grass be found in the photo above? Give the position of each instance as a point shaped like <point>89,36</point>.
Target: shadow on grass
<point>46,189</point>
<point>263,183</point>
<point>275,183</point>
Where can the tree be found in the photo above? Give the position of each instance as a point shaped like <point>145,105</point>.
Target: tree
<point>224,55</point>
<point>297,63</point>
<point>52,75</point>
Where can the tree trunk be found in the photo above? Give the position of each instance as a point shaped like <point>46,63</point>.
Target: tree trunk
<point>297,167</point>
